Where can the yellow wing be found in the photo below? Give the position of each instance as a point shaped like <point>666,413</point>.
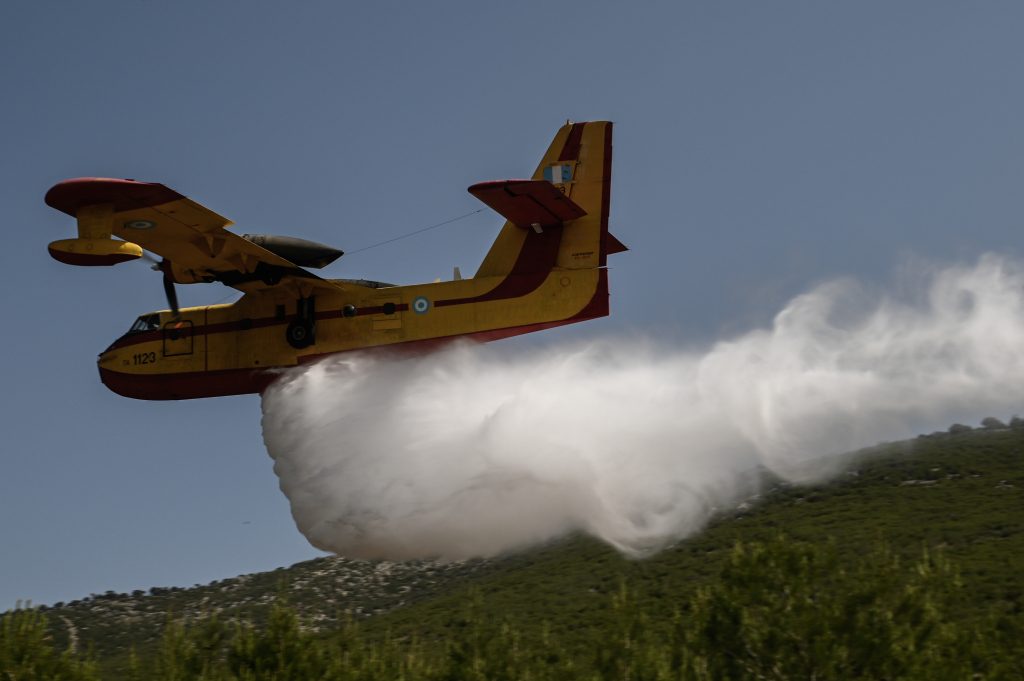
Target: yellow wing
<point>190,236</point>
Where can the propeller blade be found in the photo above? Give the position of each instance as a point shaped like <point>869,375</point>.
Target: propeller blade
<point>172,295</point>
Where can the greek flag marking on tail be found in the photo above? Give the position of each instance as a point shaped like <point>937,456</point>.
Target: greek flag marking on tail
<point>558,173</point>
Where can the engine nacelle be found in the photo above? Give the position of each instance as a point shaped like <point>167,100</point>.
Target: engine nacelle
<point>93,252</point>
<point>300,251</point>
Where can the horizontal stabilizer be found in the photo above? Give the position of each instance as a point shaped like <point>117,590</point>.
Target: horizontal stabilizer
<point>528,202</point>
<point>613,245</point>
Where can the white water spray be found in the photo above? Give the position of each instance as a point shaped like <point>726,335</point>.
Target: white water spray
<point>475,451</point>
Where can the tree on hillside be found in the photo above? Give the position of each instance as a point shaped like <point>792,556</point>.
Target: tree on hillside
<point>27,651</point>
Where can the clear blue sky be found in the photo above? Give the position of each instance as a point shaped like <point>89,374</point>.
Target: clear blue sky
<point>760,148</point>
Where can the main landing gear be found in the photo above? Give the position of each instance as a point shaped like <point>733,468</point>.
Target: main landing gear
<point>301,333</point>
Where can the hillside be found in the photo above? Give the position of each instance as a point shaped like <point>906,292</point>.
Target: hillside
<point>323,590</point>
<point>963,492</point>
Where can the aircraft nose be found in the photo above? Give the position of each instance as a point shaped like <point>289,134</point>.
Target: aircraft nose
<point>108,358</point>
<point>113,345</point>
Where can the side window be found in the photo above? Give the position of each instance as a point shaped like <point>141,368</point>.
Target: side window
<point>147,322</point>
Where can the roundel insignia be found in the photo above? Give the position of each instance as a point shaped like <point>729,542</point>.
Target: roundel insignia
<point>420,305</point>
<point>140,224</point>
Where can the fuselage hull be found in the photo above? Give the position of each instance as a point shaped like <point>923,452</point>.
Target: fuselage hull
<point>242,347</point>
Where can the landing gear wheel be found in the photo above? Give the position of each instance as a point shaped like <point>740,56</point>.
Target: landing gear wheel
<point>299,334</point>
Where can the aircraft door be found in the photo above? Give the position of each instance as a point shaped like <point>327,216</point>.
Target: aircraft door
<point>179,338</point>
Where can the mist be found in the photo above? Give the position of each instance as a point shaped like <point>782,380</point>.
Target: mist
<point>477,450</point>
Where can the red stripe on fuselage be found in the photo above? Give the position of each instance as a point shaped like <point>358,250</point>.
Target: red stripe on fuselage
<point>241,325</point>
<point>187,385</point>
<point>537,256</point>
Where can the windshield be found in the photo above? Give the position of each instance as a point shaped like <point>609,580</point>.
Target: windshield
<point>146,322</point>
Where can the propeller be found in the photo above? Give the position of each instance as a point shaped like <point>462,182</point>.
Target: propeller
<point>172,295</point>
<point>164,266</point>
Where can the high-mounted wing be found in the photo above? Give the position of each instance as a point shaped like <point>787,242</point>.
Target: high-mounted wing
<point>190,236</point>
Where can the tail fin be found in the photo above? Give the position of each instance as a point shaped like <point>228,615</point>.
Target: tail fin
<point>579,164</point>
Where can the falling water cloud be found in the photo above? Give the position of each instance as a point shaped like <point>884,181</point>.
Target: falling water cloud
<point>478,450</point>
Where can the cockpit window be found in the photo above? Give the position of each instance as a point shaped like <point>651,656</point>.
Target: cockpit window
<point>146,322</point>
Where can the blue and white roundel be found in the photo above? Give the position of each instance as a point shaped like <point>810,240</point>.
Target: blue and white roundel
<point>420,305</point>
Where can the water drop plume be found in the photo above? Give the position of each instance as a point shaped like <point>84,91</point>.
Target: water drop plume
<point>479,450</point>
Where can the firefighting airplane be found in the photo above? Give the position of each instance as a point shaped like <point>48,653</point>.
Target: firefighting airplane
<point>546,268</point>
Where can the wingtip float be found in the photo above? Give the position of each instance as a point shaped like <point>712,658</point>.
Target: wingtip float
<point>546,268</point>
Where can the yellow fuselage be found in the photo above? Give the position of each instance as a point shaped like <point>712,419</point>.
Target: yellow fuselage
<point>232,349</point>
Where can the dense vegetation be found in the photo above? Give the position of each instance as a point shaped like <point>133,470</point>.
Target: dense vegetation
<point>779,610</point>
<point>908,567</point>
